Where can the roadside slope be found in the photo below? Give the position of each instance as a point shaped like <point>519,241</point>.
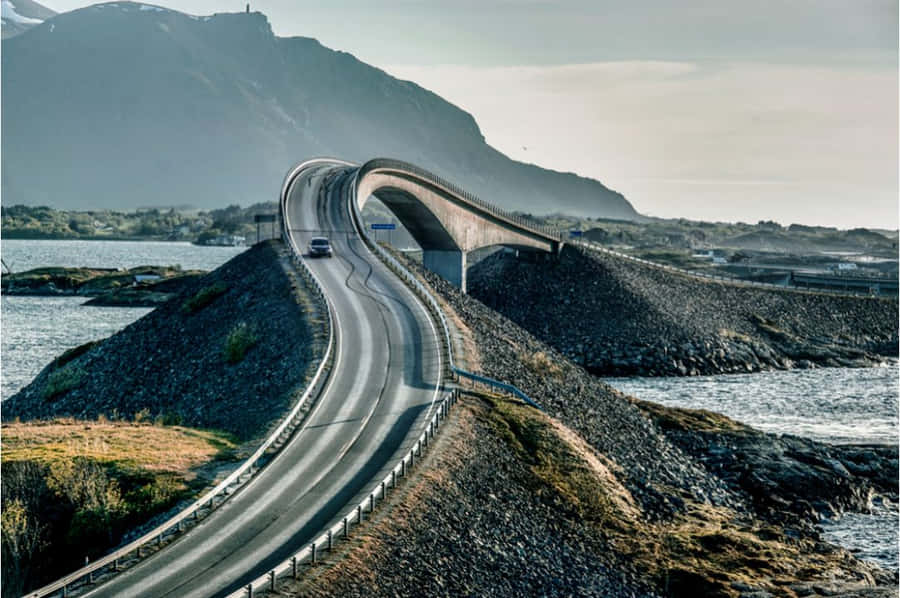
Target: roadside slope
<point>595,497</point>
<point>620,318</point>
<point>225,353</point>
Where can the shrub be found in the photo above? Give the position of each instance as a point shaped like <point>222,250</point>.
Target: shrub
<point>61,381</point>
<point>73,354</point>
<point>239,340</point>
<point>203,297</point>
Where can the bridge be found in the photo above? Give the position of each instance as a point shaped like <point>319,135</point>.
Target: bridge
<point>447,222</point>
<point>381,390</point>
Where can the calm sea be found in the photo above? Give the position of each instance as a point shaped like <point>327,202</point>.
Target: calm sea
<point>37,329</point>
<point>832,405</point>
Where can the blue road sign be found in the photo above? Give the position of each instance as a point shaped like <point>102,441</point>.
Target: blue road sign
<point>575,233</point>
<point>387,226</point>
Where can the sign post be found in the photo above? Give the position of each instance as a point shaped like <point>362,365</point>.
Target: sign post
<point>388,226</point>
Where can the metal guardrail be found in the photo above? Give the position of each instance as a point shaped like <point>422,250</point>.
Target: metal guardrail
<point>406,168</point>
<point>355,515</point>
<point>726,279</point>
<point>378,492</point>
<point>274,442</point>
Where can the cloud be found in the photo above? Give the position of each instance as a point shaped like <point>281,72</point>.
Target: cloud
<point>797,143</point>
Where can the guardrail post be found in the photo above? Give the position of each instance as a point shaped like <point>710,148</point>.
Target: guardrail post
<point>330,541</point>
<point>345,527</point>
<point>313,549</point>
<point>139,551</point>
<point>272,580</point>
<point>383,490</point>
<point>87,561</point>
<point>403,467</point>
<point>358,513</point>
<point>371,502</point>
<point>65,591</point>
<point>116,565</point>
<point>393,478</point>
<point>250,590</point>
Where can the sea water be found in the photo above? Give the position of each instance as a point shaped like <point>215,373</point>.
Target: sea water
<point>35,330</point>
<point>836,405</point>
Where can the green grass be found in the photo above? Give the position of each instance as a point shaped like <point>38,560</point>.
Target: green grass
<point>241,338</point>
<point>204,297</point>
<point>61,381</point>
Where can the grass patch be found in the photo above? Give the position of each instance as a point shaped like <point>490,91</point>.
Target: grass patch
<point>241,338</point>
<point>128,445</point>
<point>61,381</point>
<point>702,551</point>
<point>203,297</point>
<point>73,354</point>
<point>543,365</point>
<point>74,488</point>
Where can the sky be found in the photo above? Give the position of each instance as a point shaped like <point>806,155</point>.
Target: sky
<point>705,109</point>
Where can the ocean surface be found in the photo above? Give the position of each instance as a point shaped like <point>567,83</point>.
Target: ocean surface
<point>37,329</point>
<point>838,405</point>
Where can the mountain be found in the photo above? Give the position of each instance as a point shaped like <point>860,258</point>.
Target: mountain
<point>121,105</point>
<point>21,16</point>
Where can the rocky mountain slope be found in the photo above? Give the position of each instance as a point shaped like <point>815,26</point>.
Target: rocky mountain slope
<point>127,105</point>
<point>621,318</point>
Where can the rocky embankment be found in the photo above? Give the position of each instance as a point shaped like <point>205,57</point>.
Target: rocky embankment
<point>142,286</point>
<point>226,352</point>
<point>616,317</point>
<point>606,496</point>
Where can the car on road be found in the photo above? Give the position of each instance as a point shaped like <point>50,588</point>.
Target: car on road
<point>319,246</point>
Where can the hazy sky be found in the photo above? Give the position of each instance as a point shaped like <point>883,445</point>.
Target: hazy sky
<point>718,109</point>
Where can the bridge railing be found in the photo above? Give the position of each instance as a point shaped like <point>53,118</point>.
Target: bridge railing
<point>217,495</point>
<point>474,201</point>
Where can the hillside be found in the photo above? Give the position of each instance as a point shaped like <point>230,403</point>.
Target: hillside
<point>219,347</point>
<point>21,15</point>
<point>619,318</point>
<point>128,105</point>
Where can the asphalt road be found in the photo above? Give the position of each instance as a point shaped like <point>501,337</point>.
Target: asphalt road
<point>382,388</point>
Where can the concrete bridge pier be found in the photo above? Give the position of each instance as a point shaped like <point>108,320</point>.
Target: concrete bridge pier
<point>449,265</point>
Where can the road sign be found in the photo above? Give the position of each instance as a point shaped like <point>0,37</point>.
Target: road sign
<point>575,233</point>
<point>384,226</point>
<point>264,218</point>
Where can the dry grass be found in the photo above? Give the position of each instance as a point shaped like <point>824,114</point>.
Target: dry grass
<point>542,364</point>
<point>703,551</point>
<point>174,449</point>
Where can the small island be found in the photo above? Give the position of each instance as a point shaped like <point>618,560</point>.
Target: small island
<point>141,286</point>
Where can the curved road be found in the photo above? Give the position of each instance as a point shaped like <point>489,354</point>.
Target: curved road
<point>385,378</point>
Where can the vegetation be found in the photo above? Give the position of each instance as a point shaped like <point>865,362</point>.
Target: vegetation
<point>204,297</point>
<point>74,353</point>
<point>241,338</point>
<point>174,224</point>
<point>72,488</point>
<point>62,380</point>
<point>701,551</point>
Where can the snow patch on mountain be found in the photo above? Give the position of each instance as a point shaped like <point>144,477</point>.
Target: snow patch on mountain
<point>8,13</point>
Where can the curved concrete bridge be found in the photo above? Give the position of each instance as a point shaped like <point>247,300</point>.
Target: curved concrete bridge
<point>446,221</point>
